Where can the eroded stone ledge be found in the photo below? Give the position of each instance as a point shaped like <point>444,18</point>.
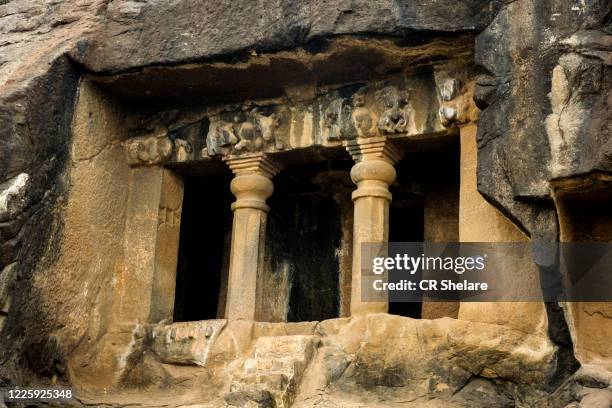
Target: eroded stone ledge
<point>370,356</point>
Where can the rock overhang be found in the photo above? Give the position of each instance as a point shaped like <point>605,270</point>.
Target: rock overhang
<point>303,96</point>
<point>341,60</point>
<point>138,34</point>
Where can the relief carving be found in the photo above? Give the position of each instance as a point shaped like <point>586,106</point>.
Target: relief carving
<point>333,113</point>
<point>221,138</point>
<point>447,115</point>
<point>267,125</point>
<point>255,134</point>
<point>456,103</point>
<point>250,139</point>
<point>363,118</point>
<point>448,88</point>
<point>149,149</point>
<point>396,109</point>
<point>369,113</point>
<point>335,119</point>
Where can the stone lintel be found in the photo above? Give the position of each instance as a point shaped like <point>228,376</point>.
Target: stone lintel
<point>373,148</point>
<point>257,163</point>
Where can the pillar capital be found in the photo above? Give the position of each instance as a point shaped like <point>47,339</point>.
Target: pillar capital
<point>257,163</point>
<point>373,171</point>
<point>373,148</point>
<point>252,185</point>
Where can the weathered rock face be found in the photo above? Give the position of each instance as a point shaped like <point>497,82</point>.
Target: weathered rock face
<point>142,31</point>
<point>544,91</point>
<point>379,359</point>
<point>32,169</point>
<point>549,69</point>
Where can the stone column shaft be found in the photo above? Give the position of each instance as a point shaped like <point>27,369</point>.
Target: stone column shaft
<point>148,281</point>
<point>372,173</point>
<point>252,185</point>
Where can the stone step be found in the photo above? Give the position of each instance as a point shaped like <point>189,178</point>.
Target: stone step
<point>275,368</point>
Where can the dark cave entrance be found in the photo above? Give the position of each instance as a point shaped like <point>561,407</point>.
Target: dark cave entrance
<point>204,244</point>
<point>406,224</point>
<point>425,208</point>
<point>304,235</point>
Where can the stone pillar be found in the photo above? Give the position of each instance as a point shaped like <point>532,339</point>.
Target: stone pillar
<point>148,278</point>
<point>372,173</point>
<point>251,186</point>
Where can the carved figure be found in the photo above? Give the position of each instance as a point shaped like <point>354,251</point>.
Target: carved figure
<point>149,149</point>
<point>220,139</point>
<point>250,135</point>
<point>256,133</point>
<point>396,105</point>
<point>363,118</point>
<point>448,88</point>
<point>456,106</point>
<point>333,112</point>
<point>266,125</point>
<point>334,118</point>
<point>251,139</point>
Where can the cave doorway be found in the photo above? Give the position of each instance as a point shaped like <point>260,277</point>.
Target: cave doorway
<point>406,224</point>
<point>305,234</point>
<point>204,246</point>
<point>425,208</point>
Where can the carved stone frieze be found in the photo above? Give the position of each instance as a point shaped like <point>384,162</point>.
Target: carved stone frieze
<point>333,112</point>
<point>372,110</point>
<point>399,106</point>
<point>447,115</point>
<point>186,343</point>
<point>256,133</point>
<point>147,150</point>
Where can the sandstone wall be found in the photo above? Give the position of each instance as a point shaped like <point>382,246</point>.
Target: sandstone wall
<point>479,221</point>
